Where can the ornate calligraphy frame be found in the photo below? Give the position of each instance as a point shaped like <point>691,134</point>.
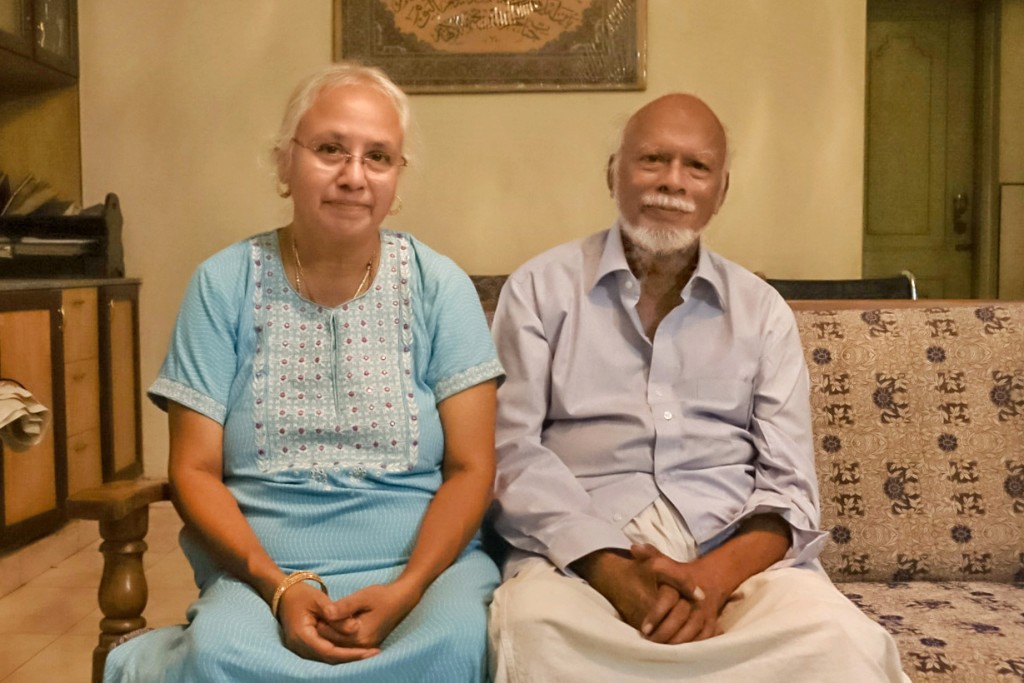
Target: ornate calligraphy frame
<point>599,46</point>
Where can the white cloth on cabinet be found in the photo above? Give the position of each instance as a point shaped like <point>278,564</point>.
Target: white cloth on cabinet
<point>23,420</point>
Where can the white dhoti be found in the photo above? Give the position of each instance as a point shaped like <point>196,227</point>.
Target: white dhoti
<point>788,624</point>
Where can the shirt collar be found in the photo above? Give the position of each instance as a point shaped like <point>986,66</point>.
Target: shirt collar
<point>613,259</point>
<point>613,256</point>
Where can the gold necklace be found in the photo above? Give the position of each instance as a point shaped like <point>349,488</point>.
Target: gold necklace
<point>300,275</point>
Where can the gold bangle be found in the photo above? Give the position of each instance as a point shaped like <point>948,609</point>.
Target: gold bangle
<point>291,580</point>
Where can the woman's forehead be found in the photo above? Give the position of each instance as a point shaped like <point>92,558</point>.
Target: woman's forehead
<point>347,110</point>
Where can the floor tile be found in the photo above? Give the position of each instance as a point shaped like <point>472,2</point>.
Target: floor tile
<point>83,569</point>
<point>162,538</point>
<point>17,649</point>
<point>171,571</point>
<point>22,565</point>
<point>35,610</point>
<point>68,658</point>
<point>89,625</point>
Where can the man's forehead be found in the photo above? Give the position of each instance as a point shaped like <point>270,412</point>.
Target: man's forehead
<point>674,117</point>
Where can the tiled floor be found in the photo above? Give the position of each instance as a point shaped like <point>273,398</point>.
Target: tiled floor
<point>49,626</point>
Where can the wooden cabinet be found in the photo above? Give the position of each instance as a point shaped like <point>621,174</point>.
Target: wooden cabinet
<point>76,348</point>
<point>38,43</point>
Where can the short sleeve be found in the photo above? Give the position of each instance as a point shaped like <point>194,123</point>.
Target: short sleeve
<point>462,353</point>
<point>202,358</point>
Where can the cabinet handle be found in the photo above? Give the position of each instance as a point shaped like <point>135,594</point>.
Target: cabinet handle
<point>79,447</point>
<point>78,377</point>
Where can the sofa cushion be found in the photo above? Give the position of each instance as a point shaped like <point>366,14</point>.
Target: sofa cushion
<point>919,439</point>
<point>955,632</point>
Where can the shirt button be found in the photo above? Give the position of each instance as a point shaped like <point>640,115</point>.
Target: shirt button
<point>629,284</point>
<point>617,517</point>
<point>668,415</point>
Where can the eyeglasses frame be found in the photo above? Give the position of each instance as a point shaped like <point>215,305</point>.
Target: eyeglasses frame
<point>348,157</point>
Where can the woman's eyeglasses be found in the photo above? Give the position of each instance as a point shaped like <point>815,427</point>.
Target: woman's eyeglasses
<point>333,155</point>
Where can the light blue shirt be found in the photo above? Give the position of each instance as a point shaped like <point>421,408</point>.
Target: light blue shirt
<point>596,421</point>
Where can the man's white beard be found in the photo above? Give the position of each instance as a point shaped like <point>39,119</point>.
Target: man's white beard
<point>660,241</point>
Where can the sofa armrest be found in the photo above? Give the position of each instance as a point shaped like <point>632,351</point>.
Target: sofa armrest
<point>122,510</point>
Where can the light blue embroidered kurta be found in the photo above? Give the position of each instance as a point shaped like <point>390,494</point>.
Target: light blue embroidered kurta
<point>333,448</point>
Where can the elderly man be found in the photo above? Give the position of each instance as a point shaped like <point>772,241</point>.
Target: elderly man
<point>655,460</point>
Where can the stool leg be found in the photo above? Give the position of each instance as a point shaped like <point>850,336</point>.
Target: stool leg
<point>123,592</point>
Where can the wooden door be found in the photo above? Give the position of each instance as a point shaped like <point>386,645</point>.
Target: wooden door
<point>920,137</point>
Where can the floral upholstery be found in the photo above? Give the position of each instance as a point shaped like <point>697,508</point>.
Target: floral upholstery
<point>918,414</point>
<point>953,632</point>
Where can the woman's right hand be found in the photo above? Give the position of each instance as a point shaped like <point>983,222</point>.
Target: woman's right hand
<point>301,609</point>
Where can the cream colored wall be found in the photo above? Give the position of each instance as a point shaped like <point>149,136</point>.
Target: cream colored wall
<point>180,96</point>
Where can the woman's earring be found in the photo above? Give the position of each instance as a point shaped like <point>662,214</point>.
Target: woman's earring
<point>283,190</point>
<point>396,206</point>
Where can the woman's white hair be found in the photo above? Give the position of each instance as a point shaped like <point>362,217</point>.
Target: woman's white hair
<point>331,76</point>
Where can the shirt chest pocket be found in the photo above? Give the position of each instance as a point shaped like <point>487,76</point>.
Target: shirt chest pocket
<point>711,401</point>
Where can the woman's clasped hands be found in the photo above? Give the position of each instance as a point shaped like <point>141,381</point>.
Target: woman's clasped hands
<point>346,630</point>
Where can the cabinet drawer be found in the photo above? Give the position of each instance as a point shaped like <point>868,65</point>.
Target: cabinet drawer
<point>82,392</point>
<point>81,336</point>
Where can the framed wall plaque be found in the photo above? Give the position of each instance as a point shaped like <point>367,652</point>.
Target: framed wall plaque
<point>497,45</point>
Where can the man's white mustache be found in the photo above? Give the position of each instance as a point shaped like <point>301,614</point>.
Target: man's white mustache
<point>662,201</point>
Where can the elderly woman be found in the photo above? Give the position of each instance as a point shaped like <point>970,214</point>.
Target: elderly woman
<point>330,388</point>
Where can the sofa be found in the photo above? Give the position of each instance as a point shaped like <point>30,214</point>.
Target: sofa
<point>918,412</point>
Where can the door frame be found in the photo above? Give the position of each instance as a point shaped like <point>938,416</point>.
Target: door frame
<point>986,174</point>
